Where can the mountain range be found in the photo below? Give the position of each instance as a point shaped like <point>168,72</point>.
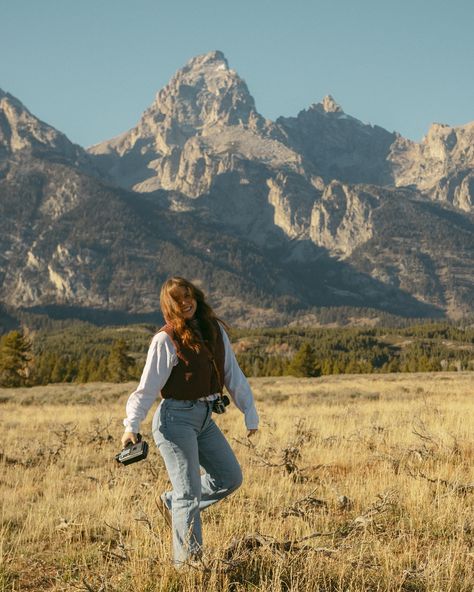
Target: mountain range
<point>274,219</point>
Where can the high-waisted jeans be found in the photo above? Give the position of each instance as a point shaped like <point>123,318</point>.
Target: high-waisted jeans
<point>188,438</point>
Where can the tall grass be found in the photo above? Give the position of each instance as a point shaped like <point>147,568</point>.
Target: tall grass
<point>353,483</point>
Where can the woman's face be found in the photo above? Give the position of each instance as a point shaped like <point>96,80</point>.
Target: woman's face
<point>186,302</point>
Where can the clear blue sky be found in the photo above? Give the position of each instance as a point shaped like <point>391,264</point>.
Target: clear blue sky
<point>90,67</point>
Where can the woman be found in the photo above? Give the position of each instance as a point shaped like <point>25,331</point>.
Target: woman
<point>189,361</point>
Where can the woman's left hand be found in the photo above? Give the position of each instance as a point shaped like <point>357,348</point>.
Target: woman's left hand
<point>251,433</point>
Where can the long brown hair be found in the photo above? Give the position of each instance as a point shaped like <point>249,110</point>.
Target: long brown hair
<point>184,328</point>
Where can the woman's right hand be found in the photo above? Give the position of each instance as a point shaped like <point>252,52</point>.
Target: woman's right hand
<point>129,437</point>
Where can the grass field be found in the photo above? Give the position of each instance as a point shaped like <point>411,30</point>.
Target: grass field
<point>361,482</point>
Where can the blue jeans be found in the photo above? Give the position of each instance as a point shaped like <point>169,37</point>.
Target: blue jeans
<point>188,438</point>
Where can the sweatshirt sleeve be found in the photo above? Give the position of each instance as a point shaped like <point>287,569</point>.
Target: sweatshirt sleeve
<point>238,386</point>
<point>160,360</point>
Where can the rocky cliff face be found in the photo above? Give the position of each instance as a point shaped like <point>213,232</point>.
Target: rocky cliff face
<point>79,245</point>
<point>338,146</point>
<point>442,165</point>
<point>342,220</point>
<point>199,125</point>
<point>273,218</point>
<point>21,133</point>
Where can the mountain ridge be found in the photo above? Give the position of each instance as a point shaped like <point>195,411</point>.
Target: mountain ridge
<point>338,212</point>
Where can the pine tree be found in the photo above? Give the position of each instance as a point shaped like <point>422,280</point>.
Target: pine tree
<point>119,362</point>
<point>15,359</point>
<point>304,362</point>
<point>326,366</point>
<point>59,371</point>
<point>83,370</point>
<point>99,370</point>
<point>71,370</point>
<point>44,368</point>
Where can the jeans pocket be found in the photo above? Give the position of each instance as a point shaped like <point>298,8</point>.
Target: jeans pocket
<point>177,405</point>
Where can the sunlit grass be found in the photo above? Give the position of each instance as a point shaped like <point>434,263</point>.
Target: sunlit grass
<point>353,483</point>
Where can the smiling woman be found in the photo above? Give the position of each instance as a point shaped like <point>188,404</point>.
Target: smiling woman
<point>183,298</point>
<point>189,361</point>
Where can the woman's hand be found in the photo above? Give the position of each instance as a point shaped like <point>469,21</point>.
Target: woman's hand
<point>129,437</point>
<point>251,433</point>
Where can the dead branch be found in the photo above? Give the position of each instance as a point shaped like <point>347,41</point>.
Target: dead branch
<point>384,502</point>
<point>257,541</point>
<point>123,554</point>
<point>100,434</point>
<point>304,506</point>
<point>456,488</point>
<point>146,520</point>
<point>65,431</point>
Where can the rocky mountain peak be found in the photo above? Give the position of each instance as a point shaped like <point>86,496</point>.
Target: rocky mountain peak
<point>327,105</point>
<point>441,165</point>
<point>203,112</point>
<point>339,146</point>
<point>255,207</point>
<point>204,92</point>
<point>443,135</point>
<point>213,58</point>
<point>21,132</point>
<point>330,105</point>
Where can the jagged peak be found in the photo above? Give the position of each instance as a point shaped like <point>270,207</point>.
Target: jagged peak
<point>206,65</point>
<point>11,99</point>
<point>446,128</point>
<point>327,105</point>
<point>208,70</point>
<point>435,126</point>
<point>330,105</point>
<point>17,109</point>
<point>205,90</point>
<point>27,132</point>
<point>215,57</point>
<point>439,131</point>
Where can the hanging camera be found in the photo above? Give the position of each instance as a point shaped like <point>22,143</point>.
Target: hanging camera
<point>219,405</point>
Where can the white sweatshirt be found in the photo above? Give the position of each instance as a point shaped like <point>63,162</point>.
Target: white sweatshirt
<point>161,359</point>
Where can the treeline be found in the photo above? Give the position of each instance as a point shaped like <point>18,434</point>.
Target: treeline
<point>322,351</point>
<point>20,366</point>
<point>81,352</point>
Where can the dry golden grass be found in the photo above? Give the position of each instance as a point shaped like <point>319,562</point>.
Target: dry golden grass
<point>353,483</point>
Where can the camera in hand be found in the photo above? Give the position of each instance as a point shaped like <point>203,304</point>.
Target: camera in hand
<point>133,452</point>
<point>220,404</point>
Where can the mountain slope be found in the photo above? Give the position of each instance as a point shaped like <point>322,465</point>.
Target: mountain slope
<point>21,133</point>
<point>199,125</point>
<point>339,146</point>
<point>273,219</point>
<point>441,166</point>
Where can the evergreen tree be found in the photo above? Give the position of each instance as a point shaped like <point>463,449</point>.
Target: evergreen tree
<point>83,370</point>
<point>44,368</point>
<point>326,366</point>
<point>119,362</point>
<point>71,370</point>
<point>304,362</point>
<point>59,370</point>
<point>15,359</point>
<point>100,371</point>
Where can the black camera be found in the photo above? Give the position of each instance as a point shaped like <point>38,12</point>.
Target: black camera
<point>133,452</point>
<point>219,405</point>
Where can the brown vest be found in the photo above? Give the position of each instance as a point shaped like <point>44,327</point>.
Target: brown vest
<point>195,376</point>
